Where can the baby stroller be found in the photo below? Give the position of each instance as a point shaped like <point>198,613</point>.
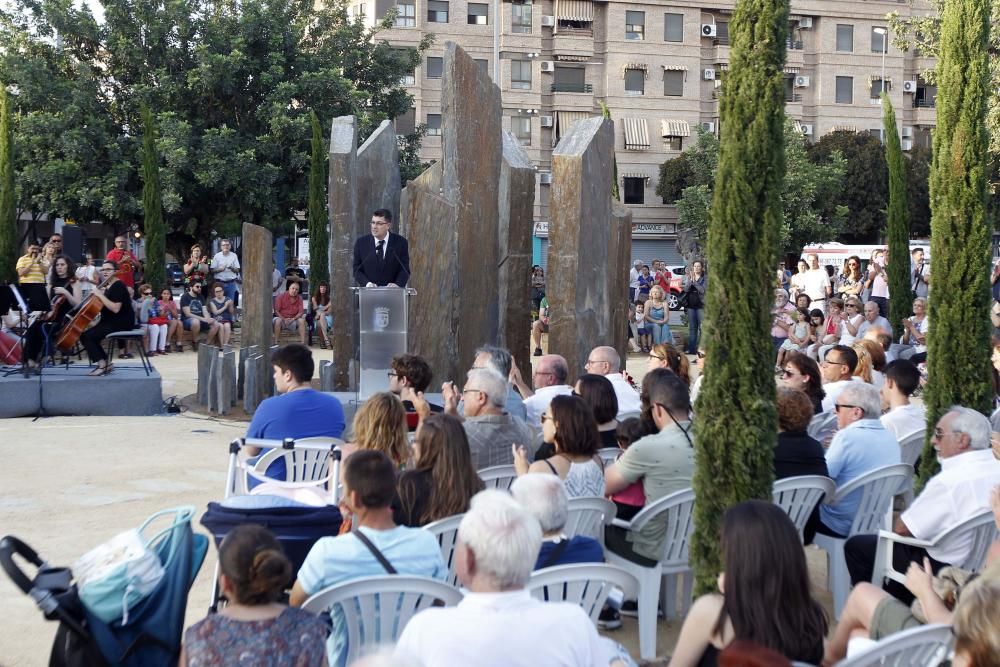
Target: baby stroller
<point>299,511</point>
<point>151,637</point>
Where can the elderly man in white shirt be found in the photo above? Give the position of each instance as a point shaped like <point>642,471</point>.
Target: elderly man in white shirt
<point>606,361</point>
<point>549,380</point>
<point>633,279</point>
<point>499,622</point>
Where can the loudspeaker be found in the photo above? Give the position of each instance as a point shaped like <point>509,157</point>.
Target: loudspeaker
<point>73,241</point>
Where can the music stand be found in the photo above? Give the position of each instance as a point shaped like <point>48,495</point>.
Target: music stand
<point>25,299</point>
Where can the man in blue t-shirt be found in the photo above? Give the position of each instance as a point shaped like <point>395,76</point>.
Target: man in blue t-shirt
<point>298,411</point>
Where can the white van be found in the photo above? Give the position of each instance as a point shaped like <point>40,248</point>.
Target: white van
<point>835,254</point>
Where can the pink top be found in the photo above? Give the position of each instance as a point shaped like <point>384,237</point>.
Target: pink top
<point>169,309</point>
<point>288,306</point>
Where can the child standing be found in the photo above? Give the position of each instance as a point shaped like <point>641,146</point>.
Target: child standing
<point>642,333</point>
<point>798,335</point>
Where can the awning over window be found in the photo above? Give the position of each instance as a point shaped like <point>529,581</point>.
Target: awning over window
<point>798,127</point>
<point>675,68</point>
<point>675,128</point>
<point>575,10</point>
<point>844,128</point>
<point>636,133</point>
<point>791,70</point>
<point>564,119</point>
<point>633,66</point>
<point>629,174</point>
<point>878,77</point>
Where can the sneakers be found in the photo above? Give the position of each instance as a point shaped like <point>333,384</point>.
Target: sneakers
<point>631,609</point>
<point>609,619</point>
<point>538,352</point>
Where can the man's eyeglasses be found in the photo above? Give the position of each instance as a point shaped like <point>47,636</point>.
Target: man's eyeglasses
<point>392,374</point>
<point>543,373</point>
<point>838,406</point>
<point>593,362</point>
<point>938,433</point>
<point>835,363</point>
<point>474,391</point>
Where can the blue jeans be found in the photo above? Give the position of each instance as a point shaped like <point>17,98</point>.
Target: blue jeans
<point>695,316</point>
<point>229,289</point>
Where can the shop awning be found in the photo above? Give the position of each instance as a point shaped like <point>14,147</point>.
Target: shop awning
<point>575,10</point>
<point>564,119</point>
<point>675,128</point>
<point>636,133</point>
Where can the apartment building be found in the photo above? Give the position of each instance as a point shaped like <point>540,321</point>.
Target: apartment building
<point>658,67</point>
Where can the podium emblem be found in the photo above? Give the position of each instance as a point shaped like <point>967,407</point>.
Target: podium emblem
<point>381,321</point>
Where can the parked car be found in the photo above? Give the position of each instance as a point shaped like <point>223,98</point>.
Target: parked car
<point>175,274</point>
<point>676,286</point>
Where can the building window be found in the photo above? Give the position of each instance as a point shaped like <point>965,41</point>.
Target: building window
<point>790,88</point>
<point>845,90</point>
<point>520,13</point>
<point>569,80</point>
<point>478,14</point>
<point>673,27</point>
<point>484,65</point>
<point>635,25</point>
<point>403,56</point>
<point>722,32</point>
<point>673,143</point>
<point>521,127</point>
<point>635,190</point>
<point>406,14</point>
<point>406,122</point>
<point>437,11</point>
<point>673,82</point>
<point>845,37</point>
<point>877,133</point>
<point>435,66</point>
<point>520,74</point>
<point>635,82</point>
<point>879,39</point>
<point>876,88</point>
<point>434,125</point>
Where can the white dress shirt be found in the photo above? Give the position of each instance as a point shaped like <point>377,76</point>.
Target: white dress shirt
<point>628,397</point>
<point>905,419</point>
<point>536,405</point>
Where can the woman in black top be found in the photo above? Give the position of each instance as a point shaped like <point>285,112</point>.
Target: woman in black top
<point>116,315</point>
<point>598,392</point>
<point>802,372</point>
<point>796,452</point>
<point>65,293</point>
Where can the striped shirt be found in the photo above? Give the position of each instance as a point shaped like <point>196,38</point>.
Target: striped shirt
<point>35,275</point>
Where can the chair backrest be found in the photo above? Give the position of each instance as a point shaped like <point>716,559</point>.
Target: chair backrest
<point>303,463</point>
<point>446,532</point>
<point>609,455</point>
<point>587,585</point>
<point>677,512</point>
<point>588,516</point>
<point>799,496</point>
<point>822,426</point>
<point>877,489</point>
<point>498,477</point>
<point>982,530</point>
<point>376,609</point>
<point>910,446</point>
<point>920,646</point>
<point>622,416</point>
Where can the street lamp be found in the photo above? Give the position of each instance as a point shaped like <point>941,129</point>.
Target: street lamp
<point>885,48</point>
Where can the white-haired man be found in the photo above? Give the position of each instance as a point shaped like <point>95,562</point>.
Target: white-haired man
<point>969,471</point>
<point>498,622</point>
<point>606,361</point>
<point>545,497</point>
<point>500,361</point>
<point>860,445</point>
<point>633,279</point>
<point>490,428</point>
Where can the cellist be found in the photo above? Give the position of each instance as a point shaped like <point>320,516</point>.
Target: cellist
<point>65,293</point>
<point>116,315</point>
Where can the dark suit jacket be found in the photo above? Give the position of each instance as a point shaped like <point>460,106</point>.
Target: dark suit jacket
<point>395,268</point>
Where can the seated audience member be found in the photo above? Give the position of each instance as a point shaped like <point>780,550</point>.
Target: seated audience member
<point>490,429</point>
<point>977,639</point>
<point>663,461</point>
<point>598,392</point>
<point>877,356</point>
<point>443,479</point>
<point>633,498</point>
<point>605,360</point>
<point>569,425</point>
<point>969,471</point>
<point>290,313</point>
<point>860,445</point>
<point>254,625</point>
<point>837,369</point>
<point>380,425</point>
<point>764,593</point>
<point>903,418</point>
<point>802,372</point>
<point>498,623</point>
<point>195,317</point>
<point>883,339</point>
<point>411,375</point>
<point>796,453</point>
<point>545,498</point>
<point>540,326</point>
<point>549,380</point>
<point>863,371</point>
<point>665,355</point>
<point>498,360</point>
<point>298,410</point>
<point>369,489</point>
<point>749,654</point>
<point>873,321</point>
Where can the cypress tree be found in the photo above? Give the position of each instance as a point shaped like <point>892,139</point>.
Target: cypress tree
<point>897,223</point>
<point>8,211</point>
<point>152,205</point>
<point>737,424</point>
<point>958,351</point>
<point>319,235</point>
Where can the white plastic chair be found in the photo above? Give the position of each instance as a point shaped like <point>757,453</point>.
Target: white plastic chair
<point>660,581</point>
<point>303,463</point>
<point>799,496</point>
<point>822,427</point>
<point>926,645</point>
<point>588,516</point>
<point>376,609</point>
<point>609,455</point>
<point>910,446</point>
<point>877,489</point>
<point>446,532</point>
<point>980,530</point>
<point>587,585</point>
<point>498,477</point>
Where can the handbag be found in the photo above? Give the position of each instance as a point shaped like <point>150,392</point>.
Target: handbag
<point>115,576</point>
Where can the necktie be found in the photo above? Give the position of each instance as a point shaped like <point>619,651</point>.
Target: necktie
<point>380,250</point>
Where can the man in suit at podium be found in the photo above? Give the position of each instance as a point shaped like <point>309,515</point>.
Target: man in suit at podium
<point>382,259</point>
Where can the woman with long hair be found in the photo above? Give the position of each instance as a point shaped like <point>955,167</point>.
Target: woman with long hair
<point>598,392</point>
<point>764,593</point>
<point>66,292</point>
<point>380,424</point>
<point>255,627</point>
<point>658,316</point>
<point>168,307</point>
<point>321,313</point>
<point>223,310</point>
<point>802,372</point>
<point>864,368</point>
<point>443,479</point>
<point>569,424</point>
<point>668,356</point>
<point>876,356</point>
<point>850,282</point>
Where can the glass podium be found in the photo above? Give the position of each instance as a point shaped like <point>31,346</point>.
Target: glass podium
<point>383,315</point>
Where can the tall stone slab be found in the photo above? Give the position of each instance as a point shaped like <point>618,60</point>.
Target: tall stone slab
<point>257,267</point>
<point>516,218</point>
<point>378,180</point>
<point>578,261</point>
<point>619,263</point>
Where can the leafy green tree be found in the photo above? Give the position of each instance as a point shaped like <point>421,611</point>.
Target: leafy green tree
<point>897,227</point>
<point>958,351</point>
<point>319,235</point>
<point>675,175</point>
<point>734,448</point>
<point>8,213</point>
<point>918,198</point>
<point>865,187</point>
<point>152,205</point>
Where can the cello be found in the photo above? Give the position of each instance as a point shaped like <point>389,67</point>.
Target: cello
<point>85,317</point>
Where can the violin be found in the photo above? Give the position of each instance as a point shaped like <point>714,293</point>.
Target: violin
<point>57,303</point>
<point>86,315</point>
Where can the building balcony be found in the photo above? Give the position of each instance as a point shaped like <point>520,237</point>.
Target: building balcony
<point>572,88</point>
<point>924,104</point>
<point>794,98</point>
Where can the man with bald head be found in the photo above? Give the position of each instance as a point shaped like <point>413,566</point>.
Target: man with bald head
<point>606,361</point>
<point>873,321</point>
<point>549,380</point>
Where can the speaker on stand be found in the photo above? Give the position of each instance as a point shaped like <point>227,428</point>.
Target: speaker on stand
<point>73,242</point>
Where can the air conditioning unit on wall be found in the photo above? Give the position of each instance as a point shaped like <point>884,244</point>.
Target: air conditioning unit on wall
<point>547,121</point>
<point>806,22</point>
<point>909,86</point>
<point>708,74</point>
<point>548,21</point>
<point>545,178</point>
<point>708,30</point>
<point>807,129</point>
<point>708,126</point>
<point>801,81</point>
<point>907,144</point>
<point>547,66</point>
